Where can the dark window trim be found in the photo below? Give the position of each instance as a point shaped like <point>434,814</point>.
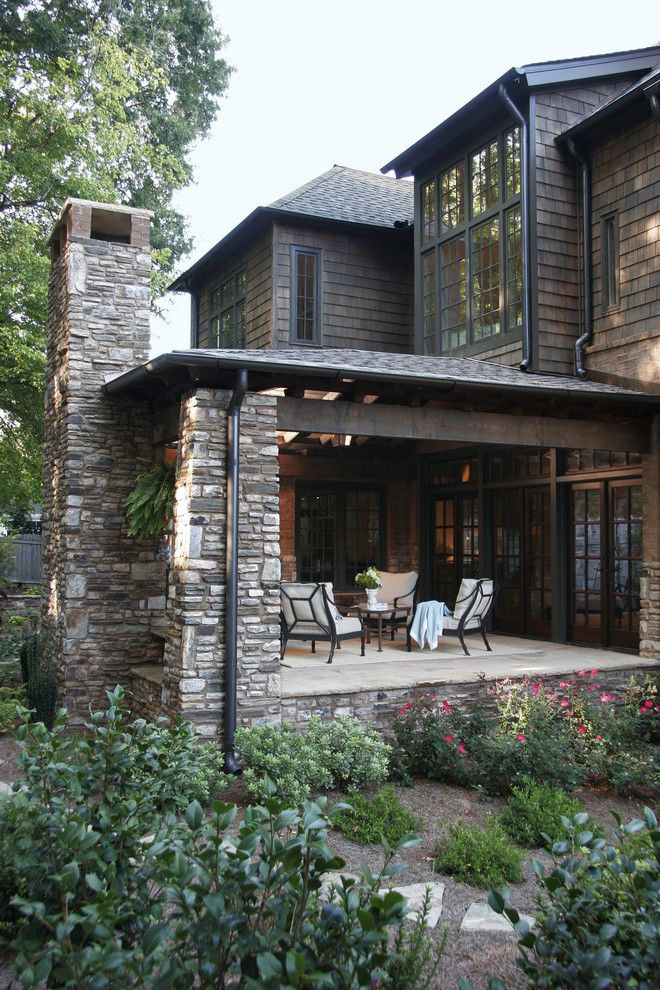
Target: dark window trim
<point>341,487</point>
<point>505,335</point>
<point>296,250</point>
<point>216,286</point>
<point>609,305</point>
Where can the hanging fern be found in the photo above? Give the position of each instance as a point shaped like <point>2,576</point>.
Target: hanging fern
<point>150,505</point>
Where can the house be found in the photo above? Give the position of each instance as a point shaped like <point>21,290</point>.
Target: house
<point>457,373</point>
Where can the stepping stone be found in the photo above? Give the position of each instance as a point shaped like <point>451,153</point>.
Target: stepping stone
<point>480,917</point>
<point>6,790</point>
<point>415,893</point>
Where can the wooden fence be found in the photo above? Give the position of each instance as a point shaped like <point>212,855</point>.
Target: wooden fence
<point>27,569</point>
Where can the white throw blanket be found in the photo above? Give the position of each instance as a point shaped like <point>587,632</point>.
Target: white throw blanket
<point>428,623</point>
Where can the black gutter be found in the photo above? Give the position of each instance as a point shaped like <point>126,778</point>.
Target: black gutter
<point>524,183</point>
<point>231,589</point>
<point>587,308</point>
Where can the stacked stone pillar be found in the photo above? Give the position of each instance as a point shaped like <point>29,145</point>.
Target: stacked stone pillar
<point>649,632</point>
<point>100,586</point>
<point>194,675</point>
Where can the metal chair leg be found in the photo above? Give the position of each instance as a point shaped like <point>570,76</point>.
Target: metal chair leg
<point>333,643</point>
<point>313,646</point>
<point>483,636</point>
<point>465,649</point>
<point>362,642</point>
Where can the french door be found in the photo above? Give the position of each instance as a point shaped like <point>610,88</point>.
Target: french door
<point>455,523</point>
<point>605,563</point>
<point>523,564</point>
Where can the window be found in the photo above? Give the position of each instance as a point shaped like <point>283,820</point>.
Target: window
<point>227,312</point>
<point>340,531</point>
<point>471,238</point>
<point>305,296</point>
<point>610,260</point>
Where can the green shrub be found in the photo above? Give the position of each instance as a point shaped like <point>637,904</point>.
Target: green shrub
<point>533,814</point>
<point>370,819</point>
<point>12,699</point>
<point>38,671</point>
<point>416,956</point>
<point>10,646</point>
<point>482,857</point>
<point>112,890</point>
<point>32,591</point>
<point>599,924</point>
<point>15,620</point>
<point>326,754</point>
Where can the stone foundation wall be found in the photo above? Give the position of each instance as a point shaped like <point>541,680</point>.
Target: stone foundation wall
<point>101,587</point>
<point>380,708</point>
<point>194,658</point>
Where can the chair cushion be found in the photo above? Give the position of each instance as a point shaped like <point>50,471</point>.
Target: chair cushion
<point>466,589</point>
<point>311,630</point>
<point>348,625</point>
<point>398,585</point>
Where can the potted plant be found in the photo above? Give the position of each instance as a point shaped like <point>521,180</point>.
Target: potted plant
<point>371,581</point>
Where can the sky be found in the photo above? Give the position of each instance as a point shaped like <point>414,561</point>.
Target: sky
<point>355,82</point>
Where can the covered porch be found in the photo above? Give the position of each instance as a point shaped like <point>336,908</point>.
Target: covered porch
<point>376,685</point>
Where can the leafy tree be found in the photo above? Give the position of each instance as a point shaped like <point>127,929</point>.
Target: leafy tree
<point>101,99</point>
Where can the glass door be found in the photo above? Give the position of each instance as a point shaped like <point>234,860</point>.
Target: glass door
<point>537,586</point>
<point>455,522</point>
<point>605,563</point>
<point>508,525</point>
<point>523,564</point>
<point>625,512</point>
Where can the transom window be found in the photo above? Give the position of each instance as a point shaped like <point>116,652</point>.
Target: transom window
<point>471,231</point>
<point>227,312</point>
<point>305,295</point>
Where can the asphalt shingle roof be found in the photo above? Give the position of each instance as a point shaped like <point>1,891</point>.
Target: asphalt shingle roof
<point>352,196</point>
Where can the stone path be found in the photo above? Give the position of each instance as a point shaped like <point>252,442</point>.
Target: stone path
<point>479,917</point>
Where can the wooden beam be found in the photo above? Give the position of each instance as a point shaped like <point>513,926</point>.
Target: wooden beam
<point>376,420</point>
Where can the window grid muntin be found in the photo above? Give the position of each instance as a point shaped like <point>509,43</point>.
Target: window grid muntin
<point>305,295</point>
<point>227,311</point>
<point>506,169</point>
<point>429,211</point>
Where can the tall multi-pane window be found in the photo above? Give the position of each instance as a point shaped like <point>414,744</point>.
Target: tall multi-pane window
<point>471,235</point>
<point>305,296</point>
<point>227,312</point>
<point>610,260</point>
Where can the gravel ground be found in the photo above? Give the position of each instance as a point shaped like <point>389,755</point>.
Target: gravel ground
<point>470,955</point>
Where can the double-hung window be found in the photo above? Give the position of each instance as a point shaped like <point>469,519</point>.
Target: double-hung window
<point>306,302</point>
<point>227,312</point>
<point>471,247</point>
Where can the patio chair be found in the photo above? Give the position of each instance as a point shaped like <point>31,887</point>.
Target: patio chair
<point>474,603</point>
<point>308,613</point>
<point>399,590</point>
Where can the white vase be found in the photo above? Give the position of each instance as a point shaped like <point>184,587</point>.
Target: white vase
<point>372,597</point>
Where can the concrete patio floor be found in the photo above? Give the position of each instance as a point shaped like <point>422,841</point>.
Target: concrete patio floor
<point>304,673</point>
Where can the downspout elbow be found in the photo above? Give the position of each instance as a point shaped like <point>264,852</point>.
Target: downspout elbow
<point>231,590</point>
<point>526,361</point>
<point>654,100</point>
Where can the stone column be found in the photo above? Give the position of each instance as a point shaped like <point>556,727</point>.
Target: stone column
<point>194,677</point>
<point>99,584</point>
<point>649,631</point>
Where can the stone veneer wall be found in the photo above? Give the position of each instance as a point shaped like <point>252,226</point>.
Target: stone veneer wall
<point>193,682</point>
<point>649,627</point>
<point>380,708</point>
<point>100,586</point>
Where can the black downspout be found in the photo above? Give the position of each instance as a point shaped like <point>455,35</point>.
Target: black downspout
<point>524,183</point>
<point>231,589</point>
<point>587,309</point>
<point>194,314</point>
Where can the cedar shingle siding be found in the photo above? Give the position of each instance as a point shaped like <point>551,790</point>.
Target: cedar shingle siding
<point>367,287</point>
<point>556,217</point>
<point>626,178</point>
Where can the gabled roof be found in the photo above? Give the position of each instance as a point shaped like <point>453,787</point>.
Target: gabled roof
<point>518,82</point>
<point>339,196</point>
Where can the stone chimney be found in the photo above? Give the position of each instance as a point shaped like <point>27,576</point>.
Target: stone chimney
<point>100,586</point>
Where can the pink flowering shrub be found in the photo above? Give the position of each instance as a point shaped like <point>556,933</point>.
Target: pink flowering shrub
<point>434,740</point>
